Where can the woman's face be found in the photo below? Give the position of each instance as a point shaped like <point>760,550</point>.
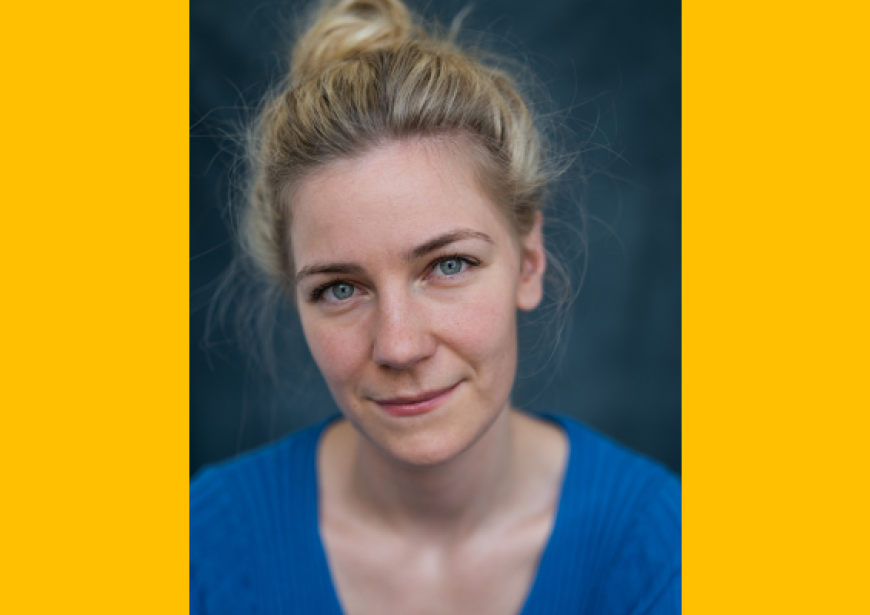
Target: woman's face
<point>408,281</point>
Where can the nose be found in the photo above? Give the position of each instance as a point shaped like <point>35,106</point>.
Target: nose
<point>402,337</point>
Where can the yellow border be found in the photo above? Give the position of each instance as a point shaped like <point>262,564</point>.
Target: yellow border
<point>776,307</point>
<point>94,253</point>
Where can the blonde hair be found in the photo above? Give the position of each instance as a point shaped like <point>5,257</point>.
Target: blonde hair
<point>362,73</point>
<point>366,72</point>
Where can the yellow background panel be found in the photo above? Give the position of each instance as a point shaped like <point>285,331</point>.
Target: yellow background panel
<point>776,306</point>
<point>94,259</point>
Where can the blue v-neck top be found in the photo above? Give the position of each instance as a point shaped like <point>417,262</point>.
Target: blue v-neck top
<point>615,547</point>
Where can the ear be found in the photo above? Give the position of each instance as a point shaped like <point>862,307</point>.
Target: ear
<point>533,264</point>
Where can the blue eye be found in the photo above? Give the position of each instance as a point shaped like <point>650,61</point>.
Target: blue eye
<point>342,290</point>
<point>451,266</point>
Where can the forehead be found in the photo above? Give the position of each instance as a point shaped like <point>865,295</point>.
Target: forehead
<point>388,201</point>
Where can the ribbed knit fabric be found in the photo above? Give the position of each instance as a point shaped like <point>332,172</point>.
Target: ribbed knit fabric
<point>615,547</point>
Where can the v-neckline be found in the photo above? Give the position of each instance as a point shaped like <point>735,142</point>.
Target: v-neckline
<point>549,554</point>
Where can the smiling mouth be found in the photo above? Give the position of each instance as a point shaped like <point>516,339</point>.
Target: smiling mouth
<point>417,404</point>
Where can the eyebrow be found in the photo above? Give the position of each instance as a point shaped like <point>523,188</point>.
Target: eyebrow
<point>436,243</point>
<point>423,249</point>
<point>333,268</point>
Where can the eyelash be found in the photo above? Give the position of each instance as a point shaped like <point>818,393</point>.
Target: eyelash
<point>471,262</point>
<point>317,293</point>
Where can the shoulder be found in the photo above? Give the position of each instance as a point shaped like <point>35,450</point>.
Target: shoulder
<point>612,476</point>
<point>243,482</point>
<point>241,509</point>
<point>623,511</point>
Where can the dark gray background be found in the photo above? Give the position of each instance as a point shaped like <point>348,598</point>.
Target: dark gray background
<point>611,70</point>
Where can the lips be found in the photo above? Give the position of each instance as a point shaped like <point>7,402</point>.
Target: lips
<point>416,404</point>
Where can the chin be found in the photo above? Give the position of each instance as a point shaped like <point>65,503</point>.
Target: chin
<point>425,450</point>
<point>433,438</point>
<point>428,441</point>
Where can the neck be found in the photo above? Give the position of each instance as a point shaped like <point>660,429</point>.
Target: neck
<point>446,501</point>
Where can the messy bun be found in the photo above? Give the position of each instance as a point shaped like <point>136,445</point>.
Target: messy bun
<point>349,28</point>
<point>365,72</point>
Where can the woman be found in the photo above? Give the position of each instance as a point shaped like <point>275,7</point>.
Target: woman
<point>396,198</point>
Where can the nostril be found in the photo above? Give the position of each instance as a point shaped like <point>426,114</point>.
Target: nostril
<point>401,340</point>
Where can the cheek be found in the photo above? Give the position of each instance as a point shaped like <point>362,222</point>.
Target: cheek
<point>483,330</point>
<point>338,351</point>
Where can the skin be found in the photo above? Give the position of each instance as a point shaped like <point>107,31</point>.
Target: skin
<point>445,511</point>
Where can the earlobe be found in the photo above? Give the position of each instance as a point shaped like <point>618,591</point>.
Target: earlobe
<point>530,290</point>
